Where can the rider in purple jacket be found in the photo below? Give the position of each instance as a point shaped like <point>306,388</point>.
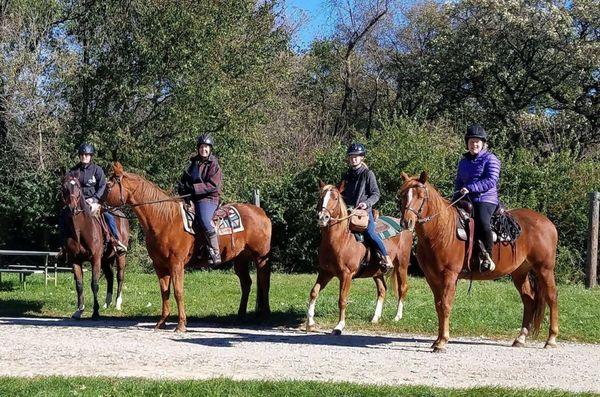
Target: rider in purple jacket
<point>477,178</point>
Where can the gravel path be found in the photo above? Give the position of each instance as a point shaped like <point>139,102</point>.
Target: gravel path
<point>34,346</point>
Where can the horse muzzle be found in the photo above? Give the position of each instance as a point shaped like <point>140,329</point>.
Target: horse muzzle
<point>323,219</point>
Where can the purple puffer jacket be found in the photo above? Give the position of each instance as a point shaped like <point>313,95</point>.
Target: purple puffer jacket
<point>479,174</point>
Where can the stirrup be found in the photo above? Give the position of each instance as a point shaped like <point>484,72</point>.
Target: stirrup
<point>385,264</point>
<point>120,247</point>
<point>486,264</point>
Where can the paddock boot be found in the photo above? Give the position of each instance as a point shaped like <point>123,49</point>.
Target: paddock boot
<point>213,248</point>
<point>486,264</point>
<point>385,263</point>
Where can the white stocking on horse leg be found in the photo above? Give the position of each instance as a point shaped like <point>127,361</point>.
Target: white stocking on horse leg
<point>119,302</point>
<point>310,315</point>
<point>520,341</point>
<point>399,310</point>
<point>108,300</point>
<point>378,310</point>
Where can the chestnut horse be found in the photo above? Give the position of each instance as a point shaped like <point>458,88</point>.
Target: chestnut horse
<point>340,256</point>
<point>84,241</point>
<point>171,248</point>
<point>441,255</point>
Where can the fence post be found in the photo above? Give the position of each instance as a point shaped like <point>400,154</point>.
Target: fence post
<point>256,197</point>
<point>591,264</point>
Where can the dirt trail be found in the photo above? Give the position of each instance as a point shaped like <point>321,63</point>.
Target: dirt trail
<point>34,346</point>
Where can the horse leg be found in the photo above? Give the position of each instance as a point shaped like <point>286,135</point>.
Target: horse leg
<point>242,270</point>
<point>444,306</point>
<point>177,275</point>
<point>164,279</point>
<point>110,278</point>
<point>322,280</point>
<point>78,277</point>
<point>546,276</point>
<point>381,289</point>
<point>120,279</point>
<point>96,265</point>
<point>263,280</point>
<point>345,282</point>
<point>401,285</point>
<point>521,281</point>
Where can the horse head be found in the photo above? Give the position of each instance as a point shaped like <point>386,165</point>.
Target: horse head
<point>412,198</point>
<point>331,203</point>
<point>118,188</point>
<point>71,193</point>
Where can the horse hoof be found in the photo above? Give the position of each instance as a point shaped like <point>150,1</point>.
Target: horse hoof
<point>517,343</point>
<point>105,306</point>
<point>96,316</point>
<point>550,345</point>
<point>397,318</point>
<point>336,332</point>
<point>180,329</point>
<point>311,328</point>
<point>439,350</point>
<point>76,315</point>
<point>374,320</point>
<point>118,307</point>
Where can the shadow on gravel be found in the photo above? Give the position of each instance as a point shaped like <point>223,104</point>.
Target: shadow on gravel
<point>19,307</point>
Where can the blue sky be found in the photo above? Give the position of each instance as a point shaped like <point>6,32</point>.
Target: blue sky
<point>316,23</point>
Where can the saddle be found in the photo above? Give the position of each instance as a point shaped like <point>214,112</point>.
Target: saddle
<point>386,227</point>
<point>505,227</point>
<point>226,219</point>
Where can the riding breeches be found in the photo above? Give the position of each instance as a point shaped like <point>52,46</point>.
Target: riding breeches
<point>204,213</point>
<point>371,235</point>
<point>483,230</point>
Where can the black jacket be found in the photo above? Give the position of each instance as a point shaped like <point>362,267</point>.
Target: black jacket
<point>361,186</point>
<point>92,180</point>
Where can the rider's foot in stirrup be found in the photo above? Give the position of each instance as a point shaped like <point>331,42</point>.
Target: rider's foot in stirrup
<point>486,263</point>
<point>385,264</point>
<point>120,247</point>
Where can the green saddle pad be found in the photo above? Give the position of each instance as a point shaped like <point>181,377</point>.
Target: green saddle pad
<point>385,226</point>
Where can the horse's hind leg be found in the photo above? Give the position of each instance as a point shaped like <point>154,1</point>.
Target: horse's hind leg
<point>381,288</point>
<point>263,280</point>
<point>546,276</point>
<point>110,278</point>
<point>78,277</point>
<point>242,270</point>
<point>177,275</point>
<point>164,280</point>
<point>521,280</point>
<point>120,279</point>
<point>322,280</point>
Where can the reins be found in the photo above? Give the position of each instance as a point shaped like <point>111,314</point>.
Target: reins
<point>430,217</point>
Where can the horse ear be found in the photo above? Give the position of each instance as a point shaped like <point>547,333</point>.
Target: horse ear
<point>341,186</point>
<point>117,168</point>
<point>423,177</point>
<point>321,184</point>
<point>404,176</point>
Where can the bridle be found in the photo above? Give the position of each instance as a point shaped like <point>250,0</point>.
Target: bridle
<point>418,212</point>
<point>331,217</point>
<point>72,182</point>
<point>118,181</point>
<point>109,187</point>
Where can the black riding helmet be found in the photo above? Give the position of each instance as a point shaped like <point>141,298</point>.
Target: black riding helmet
<point>205,139</point>
<point>475,131</point>
<point>86,148</point>
<point>356,149</point>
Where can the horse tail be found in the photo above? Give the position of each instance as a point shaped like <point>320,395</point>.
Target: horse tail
<point>539,302</point>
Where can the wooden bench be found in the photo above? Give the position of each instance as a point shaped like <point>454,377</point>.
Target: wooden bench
<point>25,270</point>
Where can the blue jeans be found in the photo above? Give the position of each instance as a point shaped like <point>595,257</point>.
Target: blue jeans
<point>204,213</point>
<point>112,224</point>
<point>372,236</point>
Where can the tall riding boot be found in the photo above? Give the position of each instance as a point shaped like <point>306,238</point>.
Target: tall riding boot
<point>485,260</point>
<point>213,248</point>
<point>385,263</point>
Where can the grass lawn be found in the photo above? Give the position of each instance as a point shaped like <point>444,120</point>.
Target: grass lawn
<point>55,386</point>
<point>493,309</point>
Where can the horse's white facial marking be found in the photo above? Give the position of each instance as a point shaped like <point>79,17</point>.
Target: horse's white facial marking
<point>326,198</point>
<point>73,183</point>
<point>409,197</point>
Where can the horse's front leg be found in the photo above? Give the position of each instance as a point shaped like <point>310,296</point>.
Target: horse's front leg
<point>444,306</point>
<point>96,265</point>
<point>381,289</point>
<point>177,275</point>
<point>78,277</point>
<point>120,280</point>
<point>164,280</point>
<point>322,280</point>
<point>345,282</point>
<point>110,278</point>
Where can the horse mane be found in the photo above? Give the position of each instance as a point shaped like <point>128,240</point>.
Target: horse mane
<point>148,191</point>
<point>445,222</point>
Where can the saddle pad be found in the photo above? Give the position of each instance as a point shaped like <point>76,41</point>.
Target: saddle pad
<point>228,222</point>
<point>385,226</point>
